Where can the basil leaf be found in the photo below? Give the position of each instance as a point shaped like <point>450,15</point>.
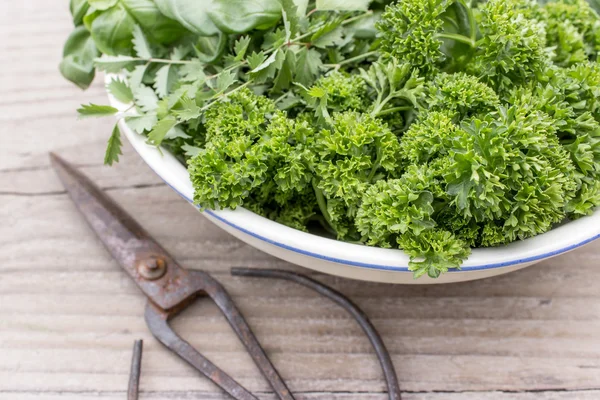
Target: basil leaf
<point>192,14</point>
<point>210,48</point>
<point>102,4</point>
<point>343,5</point>
<point>112,29</point>
<point>240,16</point>
<point>78,10</point>
<point>157,27</point>
<point>78,58</point>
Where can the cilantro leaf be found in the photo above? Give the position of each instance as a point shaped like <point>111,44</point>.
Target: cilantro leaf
<point>119,89</point>
<point>256,59</point>
<point>113,150</point>
<point>225,80</point>
<point>145,99</point>
<point>308,66</point>
<point>160,130</point>
<point>193,72</point>
<point>95,110</point>
<point>290,18</point>
<point>240,47</point>
<point>140,44</point>
<point>136,76</point>
<point>114,64</point>
<point>189,110</point>
<point>265,63</point>
<point>142,123</point>
<point>164,80</point>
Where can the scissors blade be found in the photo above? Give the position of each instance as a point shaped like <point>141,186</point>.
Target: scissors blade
<point>151,267</point>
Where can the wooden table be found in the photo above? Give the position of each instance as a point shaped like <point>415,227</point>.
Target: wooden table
<point>69,315</point>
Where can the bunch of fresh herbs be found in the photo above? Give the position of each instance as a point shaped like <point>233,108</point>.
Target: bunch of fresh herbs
<point>433,126</point>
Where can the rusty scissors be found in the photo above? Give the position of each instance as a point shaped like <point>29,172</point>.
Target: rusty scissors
<point>171,288</point>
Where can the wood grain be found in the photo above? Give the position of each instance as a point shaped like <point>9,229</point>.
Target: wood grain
<point>68,315</point>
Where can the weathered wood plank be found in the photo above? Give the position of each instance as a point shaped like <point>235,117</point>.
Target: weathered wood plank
<point>68,315</point>
<point>163,395</point>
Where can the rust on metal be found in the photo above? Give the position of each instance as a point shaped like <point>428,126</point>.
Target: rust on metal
<point>152,268</point>
<point>136,370</point>
<point>361,318</point>
<point>169,287</point>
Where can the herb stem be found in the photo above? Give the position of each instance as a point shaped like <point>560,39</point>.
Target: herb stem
<point>373,171</point>
<point>283,96</point>
<point>165,61</point>
<point>322,205</point>
<point>456,37</point>
<point>224,95</point>
<point>471,17</point>
<point>380,103</point>
<point>360,16</point>
<point>393,110</point>
<point>350,60</point>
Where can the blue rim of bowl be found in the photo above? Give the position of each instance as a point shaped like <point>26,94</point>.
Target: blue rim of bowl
<point>377,266</point>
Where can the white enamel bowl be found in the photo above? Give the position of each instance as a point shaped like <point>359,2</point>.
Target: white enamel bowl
<point>356,261</point>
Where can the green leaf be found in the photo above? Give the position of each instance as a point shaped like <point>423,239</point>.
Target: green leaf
<point>145,99</point>
<point>316,92</point>
<point>192,14</point>
<point>289,101</point>
<point>140,44</point>
<point>301,7</point>
<point>160,130</point>
<point>335,37</point>
<point>113,28</point>
<point>78,10</point>
<point>255,59</point>
<point>79,53</point>
<point>113,150</point>
<point>241,16</point>
<point>142,123</point>
<point>266,63</point>
<point>164,80</point>
<point>193,72</point>
<point>240,47</point>
<point>119,89</point>
<point>191,151</point>
<point>268,69</point>
<point>283,79</point>
<point>308,65</point>
<point>189,110</point>
<point>102,4</point>
<point>158,28</point>
<point>343,5</point>
<point>136,77</point>
<point>176,132</point>
<point>95,110</point>
<point>225,80</point>
<point>114,64</point>
<point>290,17</point>
<point>180,52</point>
<point>210,48</point>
